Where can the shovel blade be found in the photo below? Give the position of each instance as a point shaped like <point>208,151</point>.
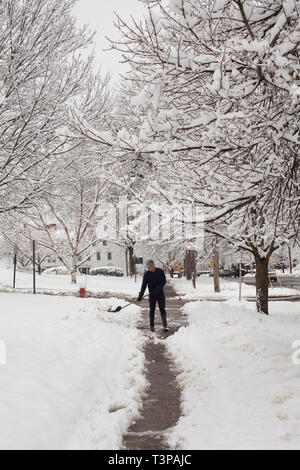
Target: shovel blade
<point>118,309</point>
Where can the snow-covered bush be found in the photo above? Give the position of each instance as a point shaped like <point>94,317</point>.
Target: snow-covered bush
<point>107,271</point>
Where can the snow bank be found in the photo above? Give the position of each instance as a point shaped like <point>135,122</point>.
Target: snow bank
<point>60,283</point>
<point>229,289</point>
<point>297,270</point>
<point>74,373</point>
<point>241,389</point>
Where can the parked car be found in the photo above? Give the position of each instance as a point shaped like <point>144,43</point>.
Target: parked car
<point>272,276</point>
<point>236,272</point>
<point>226,273</point>
<point>107,271</point>
<point>177,275</point>
<point>57,270</point>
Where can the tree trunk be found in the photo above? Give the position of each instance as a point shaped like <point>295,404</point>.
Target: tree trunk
<point>74,277</point>
<point>262,285</point>
<point>216,270</point>
<point>191,266</point>
<point>188,270</point>
<point>74,271</point>
<point>194,268</point>
<point>186,267</point>
<point>131,261</point>
<point>290,260</point>
<point>195,280</point>
<point>126,261</point>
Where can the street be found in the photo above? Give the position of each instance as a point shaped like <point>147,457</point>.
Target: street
<point>286,281</point>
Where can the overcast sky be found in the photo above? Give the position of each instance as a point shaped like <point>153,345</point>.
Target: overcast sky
<point>99,14</point>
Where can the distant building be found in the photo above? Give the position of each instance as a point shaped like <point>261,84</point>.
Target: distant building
<point>108,255</point>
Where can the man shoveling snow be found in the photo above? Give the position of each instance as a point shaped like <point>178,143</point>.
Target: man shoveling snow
<point>155,280</point>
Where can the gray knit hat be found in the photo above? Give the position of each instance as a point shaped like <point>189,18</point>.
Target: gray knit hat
<point>150,263</point>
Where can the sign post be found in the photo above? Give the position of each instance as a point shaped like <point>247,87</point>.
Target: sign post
<point>16,249</point>
<point>34,261</point>
<point>290,260</point>
<point>241,277</point>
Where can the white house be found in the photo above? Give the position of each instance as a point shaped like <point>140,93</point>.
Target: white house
<point>108,255</point>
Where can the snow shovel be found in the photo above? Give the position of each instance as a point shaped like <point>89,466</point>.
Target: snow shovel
<point>118,309</point>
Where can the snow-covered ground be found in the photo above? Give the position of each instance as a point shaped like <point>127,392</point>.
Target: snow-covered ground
<point>74,377</point>
<point>62,283</point>
<point>241,389</point>
<point>74,373</point>
<point>229,289</point>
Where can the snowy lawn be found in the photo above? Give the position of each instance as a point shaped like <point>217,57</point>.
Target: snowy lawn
<point>74,374</point>
<point>229,289</point>
<point>59,284</point>
<point>241,389</point>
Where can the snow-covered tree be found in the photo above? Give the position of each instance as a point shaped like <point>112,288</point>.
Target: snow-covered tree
<point>65,220</point>
<point>41,73</point>
<point>17,238</point>
<point>217,87</point>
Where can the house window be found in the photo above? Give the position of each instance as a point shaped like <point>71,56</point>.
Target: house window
<point>98,256</point>
<point>105,243</point>
<point>109,256</point>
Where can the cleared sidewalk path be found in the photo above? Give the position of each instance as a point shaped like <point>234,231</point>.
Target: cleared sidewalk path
<point>161,408</point>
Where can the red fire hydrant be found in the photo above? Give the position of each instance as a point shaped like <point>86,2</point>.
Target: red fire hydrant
<point>82,293</point>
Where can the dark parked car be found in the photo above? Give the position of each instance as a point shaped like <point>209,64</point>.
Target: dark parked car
<point>236,272</point>
<point>225,273</point>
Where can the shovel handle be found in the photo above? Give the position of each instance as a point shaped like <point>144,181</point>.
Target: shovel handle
<point>131,303</point>
<point>135,301</point>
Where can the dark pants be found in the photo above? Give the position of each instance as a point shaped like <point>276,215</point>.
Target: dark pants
<point>161,300</point>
